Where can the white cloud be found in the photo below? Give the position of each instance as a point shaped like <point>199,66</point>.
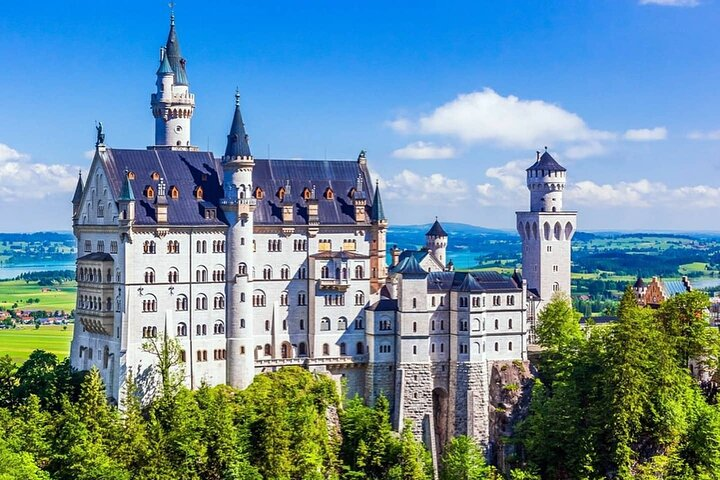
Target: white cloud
<point>424,151</point>
<point>646,134</point>
<point>488,117</point>
<point>89,154</point>
<point>709,135</point>
<point>511,175</point>
<point>671,3</point>
<point>583,150</point>
<point>415,188</point>
<point>643,193</point>
<point>22,179</point>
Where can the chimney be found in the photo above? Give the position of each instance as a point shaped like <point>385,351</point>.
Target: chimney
<point>288,206</point>
<point>312,206</point>
<point>395,254</point>
<point>161,204</point>
<point>359,201</point>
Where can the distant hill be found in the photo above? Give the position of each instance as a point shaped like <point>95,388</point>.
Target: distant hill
<point>450,227</point>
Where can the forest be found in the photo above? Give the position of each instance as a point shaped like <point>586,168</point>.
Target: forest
<point>608,401</point>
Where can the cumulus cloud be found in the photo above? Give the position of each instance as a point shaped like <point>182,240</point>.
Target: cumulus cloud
<point>505,121</point>
<point>643,193</point>
<point>710,135</point>
<point>21,178</point>
<point>511,175</point>
<point>424,151</point>
<point>671,3</point>
<point>416,188</point>
<point>646,134</point>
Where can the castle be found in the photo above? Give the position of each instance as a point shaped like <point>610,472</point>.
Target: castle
<point>255,264</point>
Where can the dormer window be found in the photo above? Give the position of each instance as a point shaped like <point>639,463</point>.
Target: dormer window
<point>155,176</point>
<point>131,175</point>
<point>198,193</point>
<point>281,193</point>
<point>351,193</point>
<point>259,194</point>
<point>306,193</point>
<point>149,192</point>
<point>210,213</point>
<point>174,192</point>
<point>329,194</point>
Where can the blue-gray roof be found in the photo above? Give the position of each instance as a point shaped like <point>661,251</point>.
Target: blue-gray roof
<point>164,66</point>
<point>184,170</point>
<point>547,162</point>
<point>172,52</point>
<point>673,287</point>
<point>378,213</point>
<point>437,230</point>
<point>483,281</point>
<point>77,198</point>
<point>410,268</point>
<point>189,170</point>
<point>237,142</point>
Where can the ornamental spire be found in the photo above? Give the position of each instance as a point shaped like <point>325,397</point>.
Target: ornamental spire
<point>237,143</point>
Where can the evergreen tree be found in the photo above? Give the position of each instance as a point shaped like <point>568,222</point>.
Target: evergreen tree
<point>464,460</point>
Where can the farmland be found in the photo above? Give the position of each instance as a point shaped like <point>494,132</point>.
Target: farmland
<point>18,294</point>
<point>20,342</point>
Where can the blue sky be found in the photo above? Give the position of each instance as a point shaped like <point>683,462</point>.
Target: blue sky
<point>450,99</point>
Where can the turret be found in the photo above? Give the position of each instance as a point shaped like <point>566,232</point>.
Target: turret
<point>436,241</point>
<point>378,254</point>
<point>161,204</point>
<point>288,206</point>
<point>238,204</point>
<point>546,182</point>
<point>172,105</point>
<point>359,200</point>
<point>77,197</point>
<point>126,202</point>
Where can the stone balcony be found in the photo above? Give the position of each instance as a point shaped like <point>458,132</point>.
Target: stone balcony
<point>307,361</point>
<point>337,284</point>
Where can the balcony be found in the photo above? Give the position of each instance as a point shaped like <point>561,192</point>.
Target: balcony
<point>336,284</point>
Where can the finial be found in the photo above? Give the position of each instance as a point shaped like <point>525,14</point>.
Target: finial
<point>312,193</point>
<point>79,173</point>
<point>537,157</point>
<point>237,97</point>
<point>546,148</point>
<point>172,13</point>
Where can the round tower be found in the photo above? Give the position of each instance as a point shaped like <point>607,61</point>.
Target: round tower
<point>238,204</point>
<point>436,241</point>
<point>546,182</point>
<point>172,105</point>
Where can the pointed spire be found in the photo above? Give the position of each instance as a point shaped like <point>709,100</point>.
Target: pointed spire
<point>165,68</point>
<point>172,53</point>
<point>436,230</point>
<point>237,144</point>
<point>377,214</point>
<point>126,194</point>
<point>77,198</point>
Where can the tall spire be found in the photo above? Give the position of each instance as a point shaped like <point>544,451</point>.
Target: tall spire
<point>237,144</point>
<point>172,52</point>
<point>377,213</point>
<point>78,190</point>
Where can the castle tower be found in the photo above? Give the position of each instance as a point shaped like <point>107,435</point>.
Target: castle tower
<point>378,262</point>
<point>436,241</point>
<point>238,204</point>
<point>173,104</point>
<point>546,230</point>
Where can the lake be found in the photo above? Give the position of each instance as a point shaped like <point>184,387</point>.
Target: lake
<point>13,271</point>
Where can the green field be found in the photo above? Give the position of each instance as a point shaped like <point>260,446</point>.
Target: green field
<point>20,342</point>
<point>18,292</point>
<point>693,267</point>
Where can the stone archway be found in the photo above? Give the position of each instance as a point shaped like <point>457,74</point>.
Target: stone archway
<point>440,417</point>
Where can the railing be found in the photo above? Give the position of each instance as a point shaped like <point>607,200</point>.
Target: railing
<point>333,283</point>
<point>283,362</point>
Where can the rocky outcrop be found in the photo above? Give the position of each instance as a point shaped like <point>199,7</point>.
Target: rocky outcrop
<point>509,393</point>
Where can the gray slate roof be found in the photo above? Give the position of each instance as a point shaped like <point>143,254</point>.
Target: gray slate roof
<point>437,230</point>
<point>483,281</point>
<point>547,162</point>
<point>188,170</point>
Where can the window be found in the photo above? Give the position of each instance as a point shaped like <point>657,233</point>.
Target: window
<point>549,248</point>
<point>359,298</point>
<point>496,346</point>
<point>324,245</point>
<point>267,325</point>
<point>149,192</point>
<point>201,275</point>
<point>414,327</point>
<point>201,302</point>
<point>343,349</point>
<point>268,350</point>
<point>556,268</point>
<point>286,350</point>
<point>218,275</point>
<point>173,275</point>
<point>219,328</point>
<point>414,349</point>
<point>258,299</point>
<point>432,300</point>
<point>359,348</point>
<point>285,272</point>
<point>414,303</point>
<point>556,287</point>
<point>149,247</point>
<point>463,348</point>
<point>100,246</point>
<point>302,349</point>
<point>301,299</point>
<point>202,355</point>
<point>182,330</point>
<point>149,276</point>
<point>385,324</point>
<point>360,323</point>
<point>510,346</point>
<point>300,245</point>
<point>267,272</point>
<point>326,349</point>
<point>385,348</point>
<point>342,323</point>
<point>198,192</point>
<point>284,325</point>
<point>174,192</point>
<point>149,332</point>
<point>219,302</point>
<point>497,300</point>
<point>274,245</point>
<point>510,324</point>
<point>201,329</point>
<point>325,272</point>
<point>181,303</point>
<point>329,194</point>
<point>201,246</point>
<point>511,300</point>
<point>242,269</point>
<point>497,324</point>
<point>359,272</point>
<point>113,246</point>
<point>302,324</point>
<point>463,325</point>
<point>325,324</point>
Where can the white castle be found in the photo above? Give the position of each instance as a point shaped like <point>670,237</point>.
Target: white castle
<point>255,264</point>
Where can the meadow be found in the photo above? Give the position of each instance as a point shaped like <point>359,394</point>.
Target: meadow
<point>18,292</point>
<point>20,342</point>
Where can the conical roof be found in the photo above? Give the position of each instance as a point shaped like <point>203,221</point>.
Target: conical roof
<point>639,283</point>
<point>436,230</point>
<point>77,197</point>
<point>377,213</point>
<point>164,67</point>
<point>237,143</point>
<point>547,162</point>
<point>410,268</point>
<point>126,194</point>
<point>172,53</point>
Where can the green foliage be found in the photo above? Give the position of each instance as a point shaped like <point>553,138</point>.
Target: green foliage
<point>464,460</point>
<point>619,401</point>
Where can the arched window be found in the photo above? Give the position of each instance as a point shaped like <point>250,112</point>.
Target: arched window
<point>242,323</point>
<point>181,303</point>
<point>201,302</point>
<point>301,299</point>
<point>343,349</point>
<point>182,330</point>
<point>359,273</point>
<point>149,275</point>
<point>359,348</point>
<point>286,350</point>
<point>342,323</point>
<point>510,324</point>
<point>497,324</point>
<point>510,346</point>
<point>219,301</point>
<point>497,346</point>
<point>325,272</point>
<point>302,349</point>
<point>173,275</point>
<point>242,269</point>
<point>268,350</point>
<point>326,349</point>
<point>325,324</point>
<point>219,327</point>
<point>556,287</point>
<point>285,272</point>
<point>283,299</point>
<point>258,298</point>
<point>267,272</point>
<point>201,275</point>
<point>359,298</point>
